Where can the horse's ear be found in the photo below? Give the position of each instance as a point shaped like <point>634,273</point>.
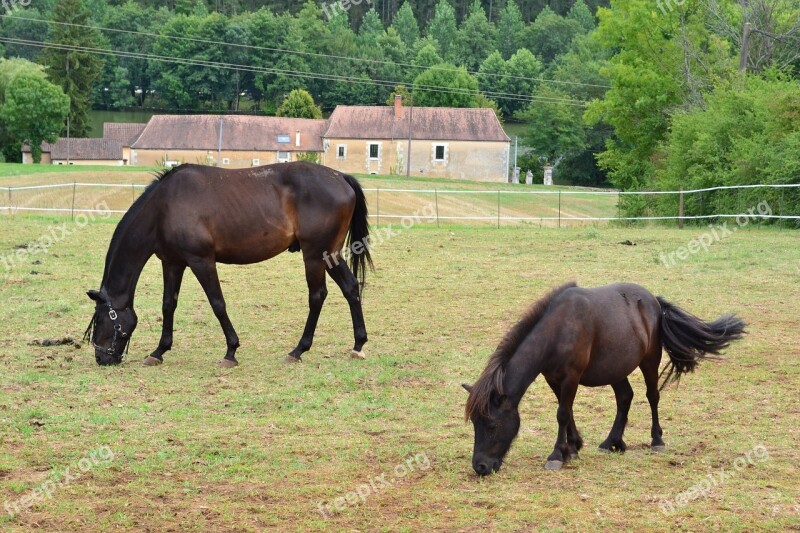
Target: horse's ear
<point>94,295</point>
<point>467,388</point>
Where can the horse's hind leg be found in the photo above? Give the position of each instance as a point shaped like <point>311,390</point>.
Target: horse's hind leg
<point>347,282</point>
<point>173,275</point>
<point>317,291</point>
<point>205,270</point>
<point>649,368</point>
<point>624,394</point>
<point>574,440</point>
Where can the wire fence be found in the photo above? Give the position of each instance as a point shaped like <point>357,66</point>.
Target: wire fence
<point>775,204</point>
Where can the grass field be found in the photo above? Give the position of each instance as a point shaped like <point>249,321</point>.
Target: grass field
<point>189,447</point>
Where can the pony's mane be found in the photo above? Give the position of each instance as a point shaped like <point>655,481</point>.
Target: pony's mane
<point>491,379</point>
<point>135,208</point>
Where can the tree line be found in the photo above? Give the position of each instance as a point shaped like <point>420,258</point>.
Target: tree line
<point>636,94</point>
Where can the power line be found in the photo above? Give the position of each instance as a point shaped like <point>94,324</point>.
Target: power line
<point>314,54</point>
<point>290,73</point>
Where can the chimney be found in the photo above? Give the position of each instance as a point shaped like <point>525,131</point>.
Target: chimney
<point>398,106</point>
<point>297,138</point>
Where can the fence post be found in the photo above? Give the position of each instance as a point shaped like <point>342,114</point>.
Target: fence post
<point>72,212</point>
<point>780,220</point>
<point>498,208</point>
<point>10,211</point>
<point>436,197</point>
<point>377,208</point>
<point>559,209</point>
<point>680,211</point>
<point>133,194</point>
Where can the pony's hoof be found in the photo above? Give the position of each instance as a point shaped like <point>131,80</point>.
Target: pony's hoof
<point>227,363</point>
<point>573,456</point>
<point>357,355</point>
<point>292,359</point>
<point>659,448</point>
<point>553,465</point>
<point>151,361</point>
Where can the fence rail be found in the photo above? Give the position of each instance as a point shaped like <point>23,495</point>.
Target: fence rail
<point>434,206</point>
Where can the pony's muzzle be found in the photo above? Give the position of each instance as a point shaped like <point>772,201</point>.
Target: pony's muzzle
<point>103,358</point>
<point>484,468</point>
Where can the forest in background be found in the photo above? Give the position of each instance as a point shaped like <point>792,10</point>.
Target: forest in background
<point>637,94</point>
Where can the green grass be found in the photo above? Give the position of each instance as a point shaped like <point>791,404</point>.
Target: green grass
<point>197,448</point>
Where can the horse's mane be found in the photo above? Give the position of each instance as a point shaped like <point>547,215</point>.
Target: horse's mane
<point>491,379</point>
<point>133,210</point>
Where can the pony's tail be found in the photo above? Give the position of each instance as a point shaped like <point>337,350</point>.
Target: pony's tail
<point>688,339</point>
<point>359,232</point>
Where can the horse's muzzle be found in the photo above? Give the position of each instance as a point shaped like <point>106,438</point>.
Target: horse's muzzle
<point>484,468</point>
<point>103,358</point>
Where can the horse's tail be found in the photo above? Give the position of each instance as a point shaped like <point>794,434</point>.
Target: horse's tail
<point>687,339</point>
<point>359,233</point>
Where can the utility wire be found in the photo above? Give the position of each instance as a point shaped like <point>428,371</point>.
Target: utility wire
<point>290,73</point>
<point>313,54</point>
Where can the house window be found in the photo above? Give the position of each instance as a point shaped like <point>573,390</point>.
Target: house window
<point>283,139</point>
<point>256,162</point>
<point>341,151</point>
<point>284,156</point>
<point>439,152</point>
<point>374,150</point>
<point>226,161</point>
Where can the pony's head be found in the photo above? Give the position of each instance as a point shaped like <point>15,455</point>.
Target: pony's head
<point>110,329</point>
<point>495,419</point>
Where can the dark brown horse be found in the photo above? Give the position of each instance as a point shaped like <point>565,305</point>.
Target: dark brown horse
<point>592,337</point>
<point>197,216</point>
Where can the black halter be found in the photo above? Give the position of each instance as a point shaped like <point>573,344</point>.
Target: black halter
<point>118,332</point>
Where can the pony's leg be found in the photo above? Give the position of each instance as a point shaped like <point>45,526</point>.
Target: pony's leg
<point>317,291</point>
<point>173,275</point>
<point>205,270</point>
<point>566,396</point>
<point>649,368</point>
<point>574,440</point>
<point>624,393</point>
<point>348,284</point>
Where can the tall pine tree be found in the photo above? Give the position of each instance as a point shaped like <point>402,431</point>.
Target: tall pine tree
<point>75,71</point>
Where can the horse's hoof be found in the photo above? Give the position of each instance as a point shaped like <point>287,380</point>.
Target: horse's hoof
<point>659,448</point>
<point>227,363</point>
<point>553,465</point>
<point>357,355</point>
<point>573,456</point>
<point>292,359</point>
<point>151,361</point>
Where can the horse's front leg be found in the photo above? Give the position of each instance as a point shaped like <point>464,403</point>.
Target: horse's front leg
<point>173,276</point>
<point>206,272</point>
<point>561,452</point>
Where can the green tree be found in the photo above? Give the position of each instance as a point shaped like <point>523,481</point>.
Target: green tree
<point>427,56</point>
<point>26,28</point>
<point>550,35</point>
<point>406,25</point>
<point>299,104</point>
<point>34,111</point>
<point>556,129</point>
<point>475,39</point>
<point>457,88</point>
<point>510,29</point>
<point>443,29</point>
<point>521,77</point>
<point>74,71</point>
<point>582,15</point>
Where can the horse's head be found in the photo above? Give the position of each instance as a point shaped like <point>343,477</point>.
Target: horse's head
<point>495,419</point>
<point>110,329</point>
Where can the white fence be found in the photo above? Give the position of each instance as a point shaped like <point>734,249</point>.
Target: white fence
<point>500,207</point>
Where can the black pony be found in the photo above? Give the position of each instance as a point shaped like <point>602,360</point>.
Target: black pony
<point>592,337</point>
<point>196,216</point>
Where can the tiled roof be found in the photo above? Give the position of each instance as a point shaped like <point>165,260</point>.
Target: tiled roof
<point>82,149</point>
<point>428,123</point>
<point>123,132</point>
<point>239,132</point>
